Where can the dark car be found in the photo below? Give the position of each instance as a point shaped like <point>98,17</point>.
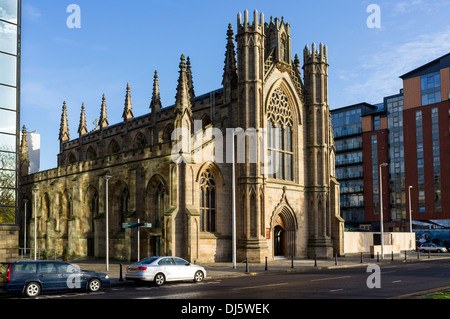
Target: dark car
<point>33,277</point>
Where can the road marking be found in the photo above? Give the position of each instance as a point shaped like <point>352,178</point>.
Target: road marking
<point>396,281</point>
<point>265,286</point>
<point>416,268</point>
<point>423,292</point>
<point>336,290</point>
<point>330,278</point>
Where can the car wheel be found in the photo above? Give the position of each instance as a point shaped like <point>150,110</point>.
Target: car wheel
<point>199,276</point>
<point>160,279</point>
<point>32,289</point>
<point>94,285</point>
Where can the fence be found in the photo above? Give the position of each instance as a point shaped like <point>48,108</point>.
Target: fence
<point>41,254</point>
<point>361,242</point>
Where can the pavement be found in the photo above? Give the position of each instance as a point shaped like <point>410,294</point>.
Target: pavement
<point>117,269</point>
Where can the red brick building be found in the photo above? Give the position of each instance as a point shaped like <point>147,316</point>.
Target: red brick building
<point>426,125</point>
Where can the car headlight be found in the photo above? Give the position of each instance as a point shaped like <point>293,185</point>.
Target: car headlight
<point>106,277</point>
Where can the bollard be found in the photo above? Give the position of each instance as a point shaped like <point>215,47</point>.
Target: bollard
<point>392,255</point>
<point>429,255</point>
<point>246,265</point>
<point>335,259</point>
<point>266,264</point>
<point>120,278</point>
<point>315,260</point>
<point>418,254</point>
<point>378,256</point>
<point>361,258</point>
<point>292,262</point>
<point>405,255</point>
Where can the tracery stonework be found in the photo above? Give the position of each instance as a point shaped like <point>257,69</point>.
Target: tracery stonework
<point>286,206</point>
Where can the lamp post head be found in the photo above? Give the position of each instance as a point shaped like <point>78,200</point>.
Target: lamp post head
<point>384,164</point>
<point>410,187</point>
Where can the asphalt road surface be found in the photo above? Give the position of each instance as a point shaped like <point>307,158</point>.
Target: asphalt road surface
<point>402,281</point>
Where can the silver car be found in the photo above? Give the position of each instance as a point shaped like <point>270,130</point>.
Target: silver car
<point>432,247</point>
<point>162,269</point>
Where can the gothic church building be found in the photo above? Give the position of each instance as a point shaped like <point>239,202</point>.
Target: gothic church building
<point>128,172</point>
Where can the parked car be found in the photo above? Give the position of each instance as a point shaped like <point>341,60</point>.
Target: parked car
<point>432,248</point>
<point>163,269</point>
<point>31,278</point>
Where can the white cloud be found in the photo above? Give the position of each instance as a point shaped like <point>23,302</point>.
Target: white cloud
<point>382,69</point>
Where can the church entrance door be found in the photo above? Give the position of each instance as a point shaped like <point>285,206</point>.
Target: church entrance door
<point>279,241</point>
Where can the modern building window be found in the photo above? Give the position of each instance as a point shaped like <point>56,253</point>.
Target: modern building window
<point>436,159</point>
<point>347,123</point>
<point>396,157</point>
<point>375,183</point>
<point>430,86</point>
<point>207,202</point>
<point>279,137</point>
<point>9,107</point>
<point>376,123</point>
<point>420,162</point>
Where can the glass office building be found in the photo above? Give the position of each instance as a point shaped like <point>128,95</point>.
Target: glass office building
<point>347,129</point>
<point>9,108</point>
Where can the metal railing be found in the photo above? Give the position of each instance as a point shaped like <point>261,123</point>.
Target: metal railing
<point>41,254</point>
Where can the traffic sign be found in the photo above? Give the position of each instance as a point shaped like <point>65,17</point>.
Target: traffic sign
<point>136,225</point>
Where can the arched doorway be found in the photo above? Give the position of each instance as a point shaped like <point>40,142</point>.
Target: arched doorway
<point>284,232</point>
<point>279,244</point>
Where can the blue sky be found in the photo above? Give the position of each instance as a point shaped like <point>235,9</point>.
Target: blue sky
<point>126,41</point>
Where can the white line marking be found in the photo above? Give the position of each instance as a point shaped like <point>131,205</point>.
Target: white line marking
<point>336,290</point>
<point>330,278</point>
<point>265,286</point>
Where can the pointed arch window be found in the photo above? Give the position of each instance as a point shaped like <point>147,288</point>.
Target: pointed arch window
<point>279,136</point>
<point>124,201</point>
<point>207,202</point>
<point>159,205</point>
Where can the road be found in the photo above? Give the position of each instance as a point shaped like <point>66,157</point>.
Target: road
<point>400,280</point>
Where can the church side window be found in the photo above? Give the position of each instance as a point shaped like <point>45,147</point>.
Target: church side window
<point>207,202</point>
<point>124,201</point>
<point>279,137</point>
<point>159,197</point>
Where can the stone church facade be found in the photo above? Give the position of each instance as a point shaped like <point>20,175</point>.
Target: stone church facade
<point>173,167</point>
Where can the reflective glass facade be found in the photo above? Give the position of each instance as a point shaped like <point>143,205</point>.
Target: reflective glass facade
<point>347,129</point>
<point>430,86</point>
<point>394,106</point>
<point>9,107</point>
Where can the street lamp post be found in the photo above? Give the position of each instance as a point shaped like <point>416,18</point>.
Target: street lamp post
<point>382,210</point>
<point>410,216</point>
<point>233,194</point>
<point>107,178</point>
<point>35,190</point>
<point>25,228</point>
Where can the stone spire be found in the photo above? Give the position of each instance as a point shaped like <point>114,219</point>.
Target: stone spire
<point>103,114</point>
<point>190,80</point>
<point>182,98</point>
<point>82,128</point>
<point>128,110</point>
<point>64,129</point>
<point>230,70</point>
<point>24,157</point>
<point>156,104</point>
